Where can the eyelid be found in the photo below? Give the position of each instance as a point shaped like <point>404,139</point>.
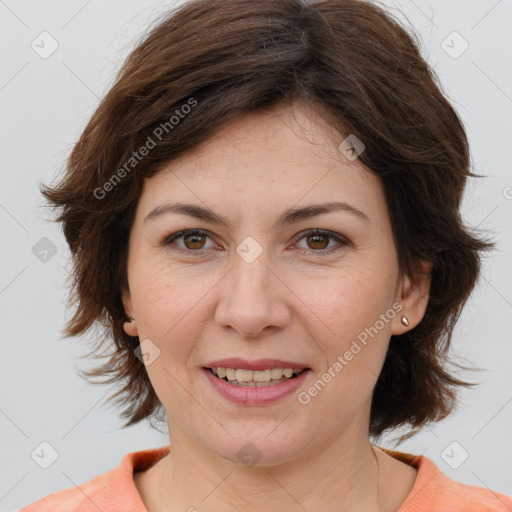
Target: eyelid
<point>342,241</point>
<point>168,240</point>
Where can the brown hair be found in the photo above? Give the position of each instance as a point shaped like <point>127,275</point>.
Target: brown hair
<point>209,62</point>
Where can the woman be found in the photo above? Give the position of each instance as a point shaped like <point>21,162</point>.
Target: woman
<point>263,214</point>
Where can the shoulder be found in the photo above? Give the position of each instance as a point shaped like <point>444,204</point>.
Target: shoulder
<point>79,498</point>
<point>448,493</point>
<point>434,490</point>
<point>113,490</point>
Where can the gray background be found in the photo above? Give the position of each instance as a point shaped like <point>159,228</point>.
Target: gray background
<point>45,103</point>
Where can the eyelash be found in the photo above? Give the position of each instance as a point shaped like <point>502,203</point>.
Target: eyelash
<point>168,241</point>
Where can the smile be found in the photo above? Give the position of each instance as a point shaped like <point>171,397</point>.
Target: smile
<point>244,389</point>
<point>257,378</point>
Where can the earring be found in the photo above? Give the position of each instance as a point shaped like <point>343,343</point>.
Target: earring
<point>405,320</point>
<point>132,319</point>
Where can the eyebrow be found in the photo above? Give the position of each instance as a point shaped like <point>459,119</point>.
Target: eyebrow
<point>289,216</point>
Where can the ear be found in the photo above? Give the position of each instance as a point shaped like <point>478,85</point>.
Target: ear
<point>130,327</point>
<point>413,296</point>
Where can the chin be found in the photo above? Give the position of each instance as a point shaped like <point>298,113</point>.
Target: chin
<point>257,446</point>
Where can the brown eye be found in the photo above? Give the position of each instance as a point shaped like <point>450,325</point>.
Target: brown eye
<point>318,242</point>
<point>194,241</point>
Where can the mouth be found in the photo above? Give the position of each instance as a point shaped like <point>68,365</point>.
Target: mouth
<point>255,378</point>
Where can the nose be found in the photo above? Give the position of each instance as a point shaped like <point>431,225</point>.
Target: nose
<point>253,299</point>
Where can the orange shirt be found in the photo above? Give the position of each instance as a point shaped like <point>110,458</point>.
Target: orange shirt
<point>115,491</point>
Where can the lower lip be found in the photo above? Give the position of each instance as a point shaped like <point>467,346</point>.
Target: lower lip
<point>255,396</point>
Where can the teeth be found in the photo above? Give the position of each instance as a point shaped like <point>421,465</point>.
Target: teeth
<point>263,376</point>
<point>244,375</point>
<point>277,373</point>
<point>255,378</point>
<point>230,374</point>
<point>255,384</point>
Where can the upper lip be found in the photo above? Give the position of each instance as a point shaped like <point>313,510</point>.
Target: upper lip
<point>258,364</point>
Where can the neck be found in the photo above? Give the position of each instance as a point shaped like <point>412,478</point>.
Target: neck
<point>346,474</point>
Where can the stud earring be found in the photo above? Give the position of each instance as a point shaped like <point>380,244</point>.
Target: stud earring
<point>405,320</point>
<point>132,319</point>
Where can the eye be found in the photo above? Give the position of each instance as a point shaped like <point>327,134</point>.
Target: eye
<point>194,241</point>
<point>318,241</point>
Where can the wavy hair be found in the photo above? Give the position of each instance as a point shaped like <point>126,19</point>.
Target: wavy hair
<point>351,62</point>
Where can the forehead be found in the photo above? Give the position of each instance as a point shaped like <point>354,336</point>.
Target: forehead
<point>286,156</point>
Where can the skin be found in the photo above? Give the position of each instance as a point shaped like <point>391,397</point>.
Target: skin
<point>292,302</point>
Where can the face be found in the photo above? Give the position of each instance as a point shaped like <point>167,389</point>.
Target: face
<point>251,276</point>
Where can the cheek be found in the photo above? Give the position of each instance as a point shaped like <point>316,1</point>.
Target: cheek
<point>346,325</point>
<point>172,315</point>
<point>343,317</point>
<point>345,304</point>
<point>169,304</point>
